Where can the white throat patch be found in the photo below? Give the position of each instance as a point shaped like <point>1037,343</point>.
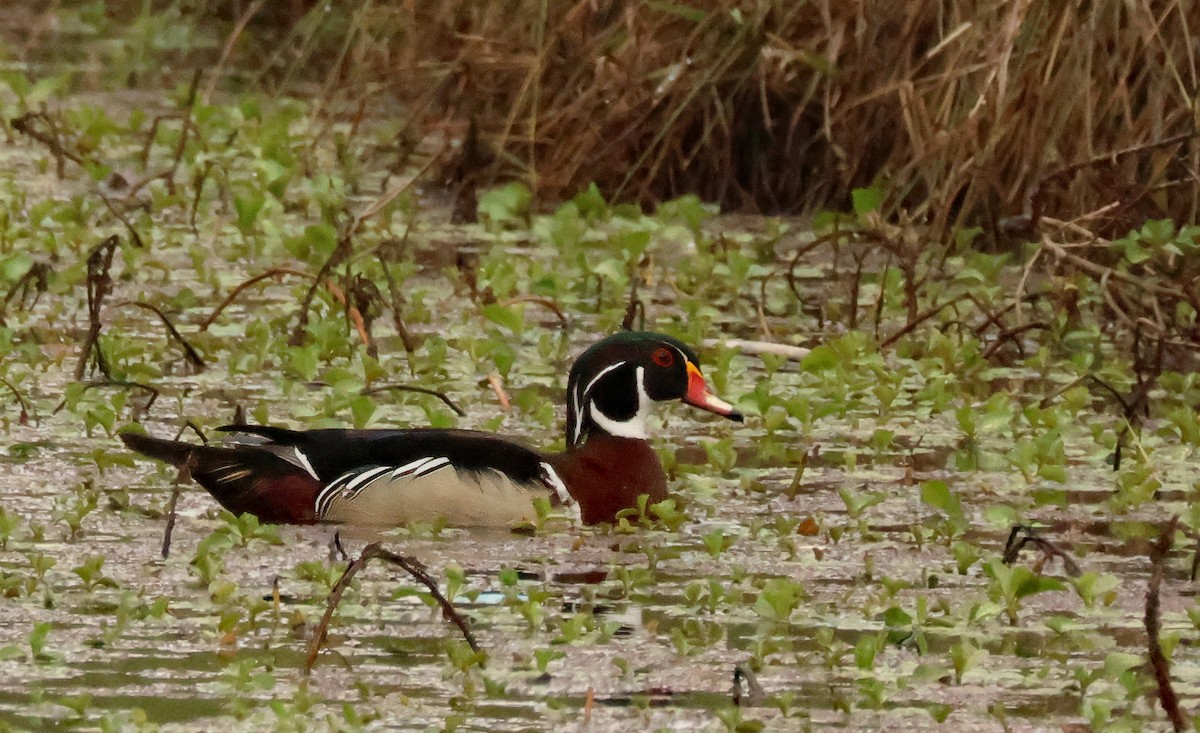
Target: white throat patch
<point>634,427</point>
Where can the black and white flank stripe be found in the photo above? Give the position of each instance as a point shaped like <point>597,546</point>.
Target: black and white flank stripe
<point>351,484</point>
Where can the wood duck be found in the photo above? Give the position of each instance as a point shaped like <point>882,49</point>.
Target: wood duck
<point>391,477</point>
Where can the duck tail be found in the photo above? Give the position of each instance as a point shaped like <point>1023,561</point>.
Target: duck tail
<point>175,452</point>
<point>244,479</point>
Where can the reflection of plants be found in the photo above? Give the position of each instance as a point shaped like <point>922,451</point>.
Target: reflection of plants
<point>965,657</point>
<point>953,520</point>
<point>70,509</point>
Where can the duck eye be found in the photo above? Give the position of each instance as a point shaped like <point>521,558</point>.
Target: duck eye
<point>663,357</point>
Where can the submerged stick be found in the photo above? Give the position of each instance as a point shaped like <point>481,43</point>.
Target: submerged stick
<point>1158,660</point>
<point>184,475</point>
<point>410,565</point>
<point>755,694</point>
<point>99,285</point>
<point>189,351</point>
<point>275,272</point>
<point>1022,535</point>
<point>795,353</point>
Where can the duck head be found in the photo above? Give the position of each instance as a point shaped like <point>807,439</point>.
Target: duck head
<point>613,384</point>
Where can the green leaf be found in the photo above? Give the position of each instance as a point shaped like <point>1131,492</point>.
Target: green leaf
<point>865,651</point>
<point>248,201</point>
<point>14,266</point>
<point>778,599</point>
<point>506,205</point>
<point>631,242</point>
<point>938,495</point>
<point>511,317</point>
<point>322,238</point>
<point>867,200</point>
<point>821,358</point>
<point>362,408</point>
<point>591,203</point>
<point>857,503</point>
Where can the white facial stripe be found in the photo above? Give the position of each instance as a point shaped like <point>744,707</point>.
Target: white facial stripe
<point>587,390</point>
<point>581,400</point>
<point>634,427</point>
<point>305,464</point>
<point>577,428</point>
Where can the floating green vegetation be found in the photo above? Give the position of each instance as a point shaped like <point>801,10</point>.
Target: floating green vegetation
<point>939,509</point>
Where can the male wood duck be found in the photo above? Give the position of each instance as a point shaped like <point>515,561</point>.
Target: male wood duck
<point>391,477</point>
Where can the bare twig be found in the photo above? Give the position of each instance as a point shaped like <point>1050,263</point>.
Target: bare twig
<point>340,252</point>
<point>354,314</point>
<point>1022,535</point>
<point>756,695</point>
<point>498,388</point>
<point>242,22</point>
<point>184,475</point>
<point>26,406</point>
<point>1013,334</point>
<point>918,319</point>
<point>381,203</point>
<point>99,285</point>
<point>542,301</point>
<point>37,278</point>
<point>25,125</point>
<point>274,272</point>
<point>189,351</point>
<point>633,305</point>
<point>120,384</point>
<point>423,390</point>
<point>392,250</point>
<point>1158,659</point>
<point>410,565</point>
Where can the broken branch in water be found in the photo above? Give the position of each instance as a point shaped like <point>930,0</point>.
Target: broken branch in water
<point>423,390</point>
<point>759,347</point>
<point>1022,535</point>
<point>233,294</point>
<point>99,285</point>
<point>189,352</point>
<point>410,565</point>
<point>1158,659</point>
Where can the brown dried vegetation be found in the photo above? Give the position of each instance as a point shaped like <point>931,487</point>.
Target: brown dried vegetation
<point>970,112</point>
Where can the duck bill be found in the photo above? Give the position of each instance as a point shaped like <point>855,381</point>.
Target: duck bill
<point>699,396</point>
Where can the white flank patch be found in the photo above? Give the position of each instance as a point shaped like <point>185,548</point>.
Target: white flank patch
<point>556,483</point>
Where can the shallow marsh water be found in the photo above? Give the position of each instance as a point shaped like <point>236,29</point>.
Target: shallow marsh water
<point>866,594</point>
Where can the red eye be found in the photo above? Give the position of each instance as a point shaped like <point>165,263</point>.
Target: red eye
<point>663,358</point>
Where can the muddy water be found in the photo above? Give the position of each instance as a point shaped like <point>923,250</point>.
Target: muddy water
<point>856,605</point>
